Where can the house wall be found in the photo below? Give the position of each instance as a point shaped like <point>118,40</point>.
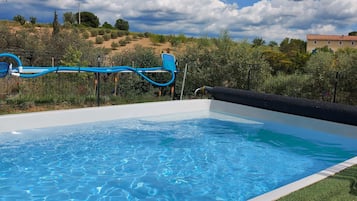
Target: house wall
<point>332,42</point>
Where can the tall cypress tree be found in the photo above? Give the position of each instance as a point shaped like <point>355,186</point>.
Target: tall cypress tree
<point>56,26</point>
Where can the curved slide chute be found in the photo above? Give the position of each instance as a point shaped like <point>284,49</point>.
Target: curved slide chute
<point>168,65</point>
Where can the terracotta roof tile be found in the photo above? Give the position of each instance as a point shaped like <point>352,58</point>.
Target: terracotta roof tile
<point>331,37</point>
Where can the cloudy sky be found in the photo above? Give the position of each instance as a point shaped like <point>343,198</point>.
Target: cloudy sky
<point>272,20</point>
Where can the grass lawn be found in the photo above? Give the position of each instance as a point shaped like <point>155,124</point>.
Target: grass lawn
<point>340,187</point>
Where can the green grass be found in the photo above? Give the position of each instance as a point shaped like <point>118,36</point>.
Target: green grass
<point>339,187</point>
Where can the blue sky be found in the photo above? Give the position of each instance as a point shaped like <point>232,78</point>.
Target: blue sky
<point>272,20</point>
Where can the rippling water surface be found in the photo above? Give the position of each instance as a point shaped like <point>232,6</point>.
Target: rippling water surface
<point>199,159</point>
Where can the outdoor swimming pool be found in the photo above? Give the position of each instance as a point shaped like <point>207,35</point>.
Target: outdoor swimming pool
<point>196,156</point>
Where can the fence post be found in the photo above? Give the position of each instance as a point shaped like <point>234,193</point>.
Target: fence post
<point>248,79</point>
<point>98,82</point>
<point>335,88</point>
<point>183,82</point>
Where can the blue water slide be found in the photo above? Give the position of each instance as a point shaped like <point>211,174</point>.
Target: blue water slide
<point>168,65</point>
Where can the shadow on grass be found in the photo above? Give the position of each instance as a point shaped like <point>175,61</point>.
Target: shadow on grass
<point>341,186</point>
<point>349,174</point>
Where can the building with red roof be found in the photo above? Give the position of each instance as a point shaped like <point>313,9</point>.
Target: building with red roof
<point>334,42</point>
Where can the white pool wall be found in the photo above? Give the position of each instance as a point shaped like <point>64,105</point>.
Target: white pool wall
<point>16,122</point>
<point>284,118</point>
<point>24,121</point>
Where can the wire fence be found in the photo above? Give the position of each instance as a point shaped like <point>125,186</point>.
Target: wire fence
<point>81,89</point>
<point>76,89</point>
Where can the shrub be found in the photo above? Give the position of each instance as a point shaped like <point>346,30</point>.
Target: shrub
<point>122,42</point>
<point>101,32</point>
<point>107,37</point>
<point>147,34</point>
<point>85,35</point>
<point>107,51</point>
<point>115,45</point>
<point>121,33</point>
<point>296,85</point>
<point>127,39</point>
<point>99,40</point>
<point>114,34</point>
<point>135,37</point>
<point>94,32</point>
<point>157,38</point>
<point>67,25</point>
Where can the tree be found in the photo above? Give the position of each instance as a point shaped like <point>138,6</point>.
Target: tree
<point>122,25</point>
<point>33,20</point>
<point>20,19</point>
<point>132,86</point>
<point>72,57</point>
<point>56,26</point>
<point>258,42</point>
<point>295,50</point>
<point>295,85</point>
<point>353,33</point>
<point>346,62</point>
<point>273,44</point>
<point>321,68</point>
<point>107,25</point>
<point>88,19</point>
<point>279,62</point>
<point>225,62</point>
<point>322,49</point>
<point>291,46</point>
<point>68,17</point>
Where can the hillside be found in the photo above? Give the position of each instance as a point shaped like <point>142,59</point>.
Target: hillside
<point>144,42</point>
<point>131,39</point>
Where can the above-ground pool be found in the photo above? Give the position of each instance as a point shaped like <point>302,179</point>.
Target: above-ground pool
<point>153,152</point>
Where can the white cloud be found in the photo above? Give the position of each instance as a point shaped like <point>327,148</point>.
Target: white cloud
<point>277,19</point>
<point>270,19</point>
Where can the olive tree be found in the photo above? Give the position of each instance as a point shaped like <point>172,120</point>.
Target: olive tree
<point>225,63</point>
<point>333,73</point>
<point>129,84</point>
<point>321,68</point>
<point>346,71</point>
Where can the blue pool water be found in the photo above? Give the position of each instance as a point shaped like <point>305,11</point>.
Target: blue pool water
<point>198,159</point>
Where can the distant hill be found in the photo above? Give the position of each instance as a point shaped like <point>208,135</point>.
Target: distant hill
<point>115,45</point>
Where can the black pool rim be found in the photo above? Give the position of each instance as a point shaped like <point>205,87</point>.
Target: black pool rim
<point>334,112</point>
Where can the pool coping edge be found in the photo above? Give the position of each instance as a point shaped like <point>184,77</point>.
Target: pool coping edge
<point>304,182</point>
